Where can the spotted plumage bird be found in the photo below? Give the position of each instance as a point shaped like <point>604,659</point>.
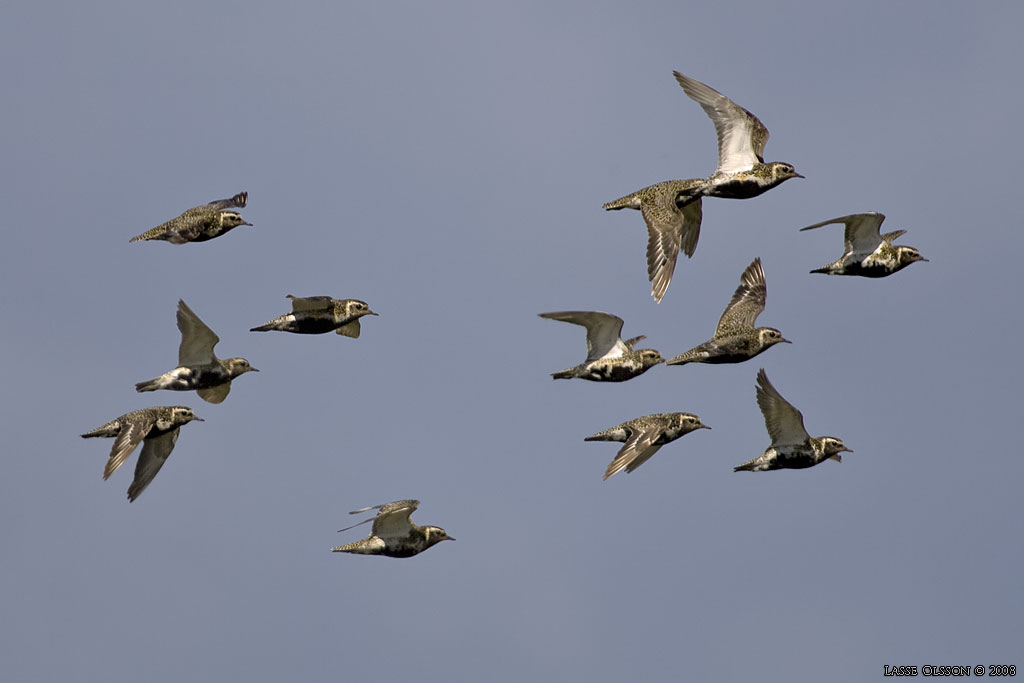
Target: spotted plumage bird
<point>156,428</point>
<point>672,209</point>
<point>742,172</point>
<point>609,359</point>
<point>200,223</point>
<point>198,367</point>
<point>792,447</point>
<point>644,436</point>
<point>736,339</point>
<point>320,314</point>
<point>673,217</point>
<point>394,534</point>
<point>867,252</point>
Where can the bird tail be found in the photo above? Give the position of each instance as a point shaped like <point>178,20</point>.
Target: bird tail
<point>265,327</point>
<point>109,429</point>
<point>606,435</point>
<point>684,358</point>
<point>746,467</point>
<point>564,374</point>
<point>628,202</point>
<point>356,547</point>
<point>151,385</point>
<point>156,233</point>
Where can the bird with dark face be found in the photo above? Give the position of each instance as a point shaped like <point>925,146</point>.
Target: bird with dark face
<point>866,251</point>
<point>736,339</point>
<point>792,447</point>
<point>609,359</point>
<point>200,223</point>
<point>198,367</point>
<point>320,314</point>
<point>742,172</point>
<point>394,534</point>
<point>672,209</point>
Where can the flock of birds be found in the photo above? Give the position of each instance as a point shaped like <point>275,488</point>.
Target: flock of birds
<point>673,213</point>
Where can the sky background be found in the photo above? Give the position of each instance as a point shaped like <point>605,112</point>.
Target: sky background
<point>446,163</point>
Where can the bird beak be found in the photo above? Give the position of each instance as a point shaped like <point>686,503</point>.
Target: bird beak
<point>247,223</point>
<point>797,175</point>
<point>371,313</point>
<point>703,426</point>
<point>450,538</point>
<point>198,419</point>
<point>785,340</point>
<point>924,259</point>
<point>252,369</point>
<point>848,450</point>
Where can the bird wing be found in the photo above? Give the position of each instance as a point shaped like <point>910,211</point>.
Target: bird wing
<point>633,341</point>
<point>351,329</point>
<point>197,340</point>
<point>638,449</point>
<point>669,229</point>
<point>238,201</point>
<point>311,303</point>
<point>862,231</point>
<point>215,394</point>
<point>784,422</point>
<point>741,135</point>
<point>891,237</point>
<point>747,301</point>
<point>604,331</point>
<point>154,455</point>
<point>385,509</point>
<point>392,521</point>
<point>133,431</point>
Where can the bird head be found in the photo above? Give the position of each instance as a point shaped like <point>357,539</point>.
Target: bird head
<point>231,219</point>
<point>649,358</point>
<point>238,366</point>
<point>181,415</point>
<point>907,255</point>
<point>435,535</point>
<point>354,308</point>
<point>692,422</point>
<point>831,446</point>
<point>782,171</point>
<point>769,336</point>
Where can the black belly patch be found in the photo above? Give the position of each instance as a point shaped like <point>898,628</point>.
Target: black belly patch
<point>739,189</point>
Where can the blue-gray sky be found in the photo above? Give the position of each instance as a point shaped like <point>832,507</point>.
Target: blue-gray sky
<point>446,162</point>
